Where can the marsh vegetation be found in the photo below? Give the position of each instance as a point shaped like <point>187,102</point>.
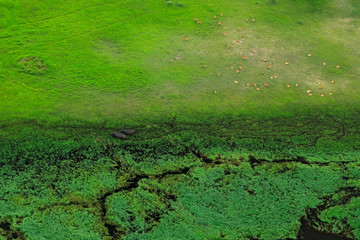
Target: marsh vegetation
<point>246,119</point>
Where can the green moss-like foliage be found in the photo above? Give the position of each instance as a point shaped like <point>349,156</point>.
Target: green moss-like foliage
<point>239,202</point>
<point>42,169</point>
<point>137,211</point>
<point>338,217</point>
<point>60,224</point>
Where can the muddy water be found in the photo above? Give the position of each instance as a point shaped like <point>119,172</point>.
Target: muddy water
<point>307,232</point>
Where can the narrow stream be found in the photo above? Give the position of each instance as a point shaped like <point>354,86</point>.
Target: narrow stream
<point>307,232</point>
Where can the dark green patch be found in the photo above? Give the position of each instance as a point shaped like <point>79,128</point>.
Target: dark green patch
<point>32,65</point>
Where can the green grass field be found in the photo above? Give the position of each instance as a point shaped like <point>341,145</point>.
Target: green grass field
<point>246,115</point>
<point>125,61</point>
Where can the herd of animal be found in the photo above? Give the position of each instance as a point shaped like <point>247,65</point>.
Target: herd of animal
<point>268,66</point>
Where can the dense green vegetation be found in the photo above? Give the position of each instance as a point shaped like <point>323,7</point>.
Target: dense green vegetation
<point>212,158</point>
<point>167,181</point>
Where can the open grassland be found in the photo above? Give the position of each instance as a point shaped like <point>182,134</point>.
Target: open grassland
<point>246,116</point>
<point>111,60</point>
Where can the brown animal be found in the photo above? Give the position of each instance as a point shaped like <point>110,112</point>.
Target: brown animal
<point>118,135</point>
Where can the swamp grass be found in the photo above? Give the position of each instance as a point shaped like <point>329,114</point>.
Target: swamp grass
<point>240,163</point>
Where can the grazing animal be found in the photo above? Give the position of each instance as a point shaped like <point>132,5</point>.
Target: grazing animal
<point>309,54</point>
<point>236,82</point>
<point>324,63</point>
<point>286,63</point>
<point>195,19</point>
<point>266,85</point>
<point>118,135</point>
<point>214,16</point>
<point>321,85</point>
<point>247,84</point>
<point>186,38</point>
<point>219,23</point>
<point>247,19</point>
<point>244,57</point>
<point>268,66</point>
<point>238,71</point>
<point>287,85</point>
<point>332,81</point>
<point>275,76</point>
<point>257,89</point>
<point>239,28</point>
<point>321,95</point>
<point>254,84</point>
<point>297,85</point>
<point>330,93</point>
<point>337,66</point>
<point>127,131</point>
<point>228,45</point>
